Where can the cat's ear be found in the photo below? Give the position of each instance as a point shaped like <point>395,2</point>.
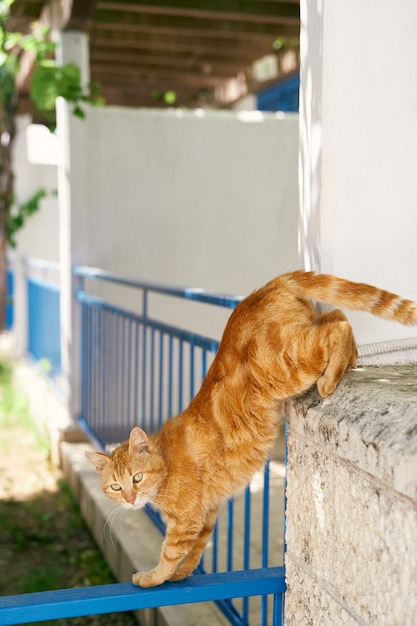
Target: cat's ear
<point>138,441</point>
<point>99,460</point>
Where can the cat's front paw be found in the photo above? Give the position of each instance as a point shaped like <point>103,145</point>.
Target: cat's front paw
<point>147,579</point>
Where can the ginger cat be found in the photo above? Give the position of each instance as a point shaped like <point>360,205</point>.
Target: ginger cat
<point>274,346</point>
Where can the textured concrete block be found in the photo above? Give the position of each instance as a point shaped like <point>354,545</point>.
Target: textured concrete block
<point>370,420</point>
<point>308,603</point>
<point>352,501</point>
<point>375,564</point>
<point>310,506</point>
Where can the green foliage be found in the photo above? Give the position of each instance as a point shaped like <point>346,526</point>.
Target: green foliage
<point>9,65</point>
<point>39,44</point>
<point>45,365</point>
<point>4,7</point>
<point>170,97</point>
<point>19,213</point>
<point>286,42</point>
<point>49,80</point>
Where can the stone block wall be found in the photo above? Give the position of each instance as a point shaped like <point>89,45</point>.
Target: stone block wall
<point>352,502</point>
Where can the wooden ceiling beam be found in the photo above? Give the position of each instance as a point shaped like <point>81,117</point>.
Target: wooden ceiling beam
<point>147,101</point>
<point>183,61</point>
<point>241,11</point>
<point>196,46</point>
<point>220,26</point>
<point>170,77</point>
<point>164,79</point>
<point>148,95</point>
<point>25,11</point>
<point>246,32</point>
<point>146,89</point>
<point>141,49</point>
<point>82,11</point>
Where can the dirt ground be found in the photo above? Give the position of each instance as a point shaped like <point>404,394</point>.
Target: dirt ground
<point>44,543</point>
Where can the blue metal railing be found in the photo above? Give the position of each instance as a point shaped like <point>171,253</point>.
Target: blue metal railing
<point>139,370</point>
<point>44,322</point>
<point>283,96</point>
<point>9,309</point>
<point>101,599</point>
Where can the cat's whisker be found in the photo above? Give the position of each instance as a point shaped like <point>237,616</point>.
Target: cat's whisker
<point>116,513</point>
<point>108,525</point>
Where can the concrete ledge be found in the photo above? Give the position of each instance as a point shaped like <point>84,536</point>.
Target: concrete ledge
<point>352,501</point>
<point>129,543</point>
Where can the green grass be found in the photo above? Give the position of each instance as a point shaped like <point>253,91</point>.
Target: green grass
<point>14,410</point>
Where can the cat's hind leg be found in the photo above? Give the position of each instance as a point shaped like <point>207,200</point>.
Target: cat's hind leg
<point>335,333</point>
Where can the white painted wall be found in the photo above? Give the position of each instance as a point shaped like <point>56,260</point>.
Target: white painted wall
<point>40,235</point>
<point>358,132</point>
<point>192,198</point>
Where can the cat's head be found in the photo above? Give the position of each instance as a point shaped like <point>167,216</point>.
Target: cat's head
<point>133,473</point>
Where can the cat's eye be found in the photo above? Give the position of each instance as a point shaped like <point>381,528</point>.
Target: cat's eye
<point>137,477</point>
<point>116,487</point>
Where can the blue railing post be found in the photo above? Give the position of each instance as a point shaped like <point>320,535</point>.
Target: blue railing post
<point>44,319</point>
<point>9,308</point>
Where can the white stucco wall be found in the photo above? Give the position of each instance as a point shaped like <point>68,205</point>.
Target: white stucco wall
<point>191,198</point>
<point>358,129</point>
<point>40,235</point>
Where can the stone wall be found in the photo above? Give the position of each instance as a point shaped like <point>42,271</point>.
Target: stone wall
<point>352,502</point>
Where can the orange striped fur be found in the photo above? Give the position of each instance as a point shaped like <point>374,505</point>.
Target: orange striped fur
<point>274,346</point>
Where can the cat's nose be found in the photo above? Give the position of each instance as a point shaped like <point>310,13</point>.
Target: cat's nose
<point>130,499</point>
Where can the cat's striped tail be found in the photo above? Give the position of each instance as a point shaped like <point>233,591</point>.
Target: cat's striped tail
<point>351,295</point>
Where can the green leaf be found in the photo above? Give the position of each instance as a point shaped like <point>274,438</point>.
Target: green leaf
<point>50,81</point>
<point>170,97</point>
<point>38,44</point>
<point>4,8</point>
<point>11,40</point>
<point>44,89</point>
<point>79,112</point>
<point>18,214</point>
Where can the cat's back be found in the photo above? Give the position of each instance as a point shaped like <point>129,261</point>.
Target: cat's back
<point>266,314</point>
